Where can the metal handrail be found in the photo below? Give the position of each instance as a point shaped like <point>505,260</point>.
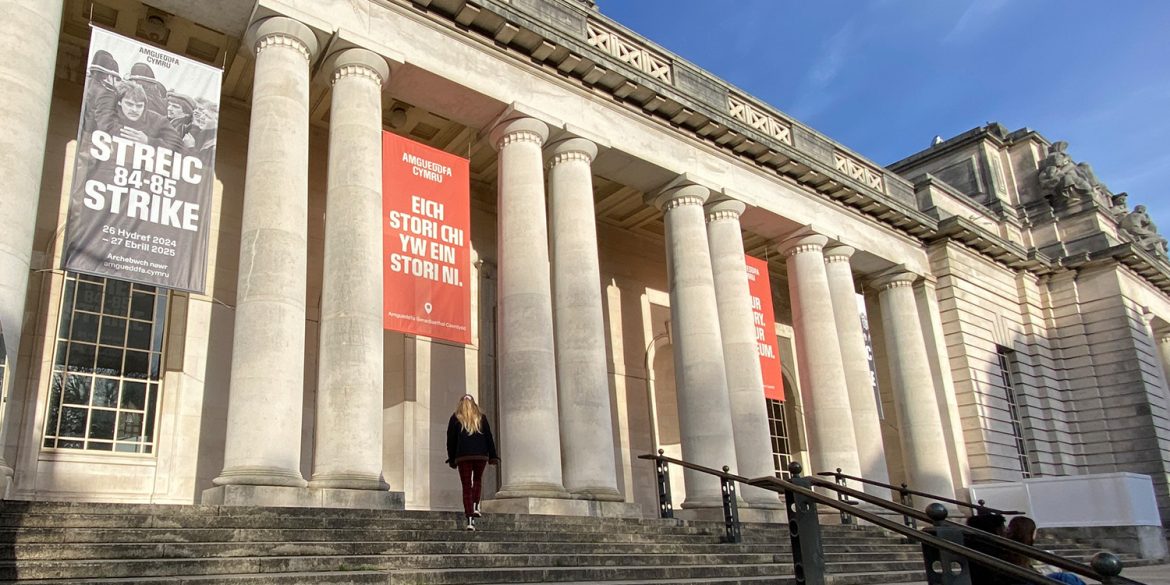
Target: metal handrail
<point>998,541</point>
<point>938,515</point>
<point>980,508</point>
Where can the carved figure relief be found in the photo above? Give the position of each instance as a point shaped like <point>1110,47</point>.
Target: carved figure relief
<point>1141,229</point>
<point>1067,181</point>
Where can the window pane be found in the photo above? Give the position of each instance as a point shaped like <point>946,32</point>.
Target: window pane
<point>54,405</point>
<point>105,392</point>
<point>137,364</point>
<point>101,424</point>
<point>96,446</point>
<point>85,327</point>
<point>133,395</point>
<point>62,351</point>
<point>155,358</point>
<point>77,389</point>
<point>130,426</point>
<point>113,331</point>
<point>109,361</point>
<point>89,296</point>
<point>81,357</point>
<point>117,297</point>
<point>138,335</point>
<point>70,444</point>
<point>143,306</point>
<point>73,421</point>
<point>151,402</point>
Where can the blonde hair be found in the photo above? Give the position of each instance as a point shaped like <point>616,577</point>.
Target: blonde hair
<point>468,414</point>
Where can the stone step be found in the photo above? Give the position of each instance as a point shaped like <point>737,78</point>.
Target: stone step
<point>27,552</point>
<point>480,576</point>
<point>917,576</point>
<point>329,578</point>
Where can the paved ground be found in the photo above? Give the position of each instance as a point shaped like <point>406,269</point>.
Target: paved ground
<point>1151,575</point>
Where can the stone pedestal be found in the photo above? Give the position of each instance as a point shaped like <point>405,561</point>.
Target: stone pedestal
<point>562,507</point>
<point>291,497</point>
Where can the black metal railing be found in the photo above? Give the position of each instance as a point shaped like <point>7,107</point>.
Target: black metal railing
<point>945,555</point>
<point>905,496</point>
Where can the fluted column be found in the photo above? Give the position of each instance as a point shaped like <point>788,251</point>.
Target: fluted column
<point>832,442</point>
<point>348,446</point>
<point>700,374</point>
<point>30,31</point>
<point>263,443</point>
<point>924,447</point>
<point>855,360</point>
<point>741,355</point>
<point>589,467</point>
<point>530,432</point>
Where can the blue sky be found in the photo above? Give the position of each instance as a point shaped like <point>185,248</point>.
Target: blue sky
<point>883,77</point>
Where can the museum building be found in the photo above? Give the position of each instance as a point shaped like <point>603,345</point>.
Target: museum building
<point>983,313</point>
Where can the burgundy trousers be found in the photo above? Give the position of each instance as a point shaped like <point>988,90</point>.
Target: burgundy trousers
<point>471,477</point>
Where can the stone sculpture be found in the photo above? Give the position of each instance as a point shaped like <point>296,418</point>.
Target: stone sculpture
<point>1141,229</point>
<point>1067,181</point>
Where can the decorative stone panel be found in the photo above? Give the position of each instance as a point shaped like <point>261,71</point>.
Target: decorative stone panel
<point>858,172</point>
<point>742,110</point>
<point>628,52</point>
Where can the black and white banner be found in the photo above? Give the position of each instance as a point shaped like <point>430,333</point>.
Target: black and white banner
<point>140,202</point>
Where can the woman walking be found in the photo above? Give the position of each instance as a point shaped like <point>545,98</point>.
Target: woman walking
<point>470,448</point>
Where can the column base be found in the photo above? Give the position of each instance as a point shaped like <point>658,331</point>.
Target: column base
<point>561,507</point>
<point>757,515</point>
<point>534,490</point>
<point>5,483</point>
<point>602,494</point>
<point>290,497</point>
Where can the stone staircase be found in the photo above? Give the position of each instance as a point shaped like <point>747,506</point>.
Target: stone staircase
<point>54,543</point>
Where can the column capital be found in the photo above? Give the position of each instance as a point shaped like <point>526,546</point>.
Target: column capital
<point>896,279</point>
<point>799,244</point>
<point>523,129</point>
<point>357,62</point>
<point>672,197</point>
<point>724,209</point>
<point>572,148</point>
<point>281,31</point>
<point>838,253</point>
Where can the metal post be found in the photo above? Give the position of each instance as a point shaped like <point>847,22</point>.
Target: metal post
<point>730,509</point>
<point>906,500</point>
<point>808,556</point>
<point>665,508</point>
<point>944,567</point>
<point>846,517</point>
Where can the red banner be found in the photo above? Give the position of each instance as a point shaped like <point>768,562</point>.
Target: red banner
<point>425,240</point>
<point>760,289</point>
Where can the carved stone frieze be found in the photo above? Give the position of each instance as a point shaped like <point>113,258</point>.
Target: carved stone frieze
<point>858,172</point>
<point>628,52</point>
<point>742,110</point>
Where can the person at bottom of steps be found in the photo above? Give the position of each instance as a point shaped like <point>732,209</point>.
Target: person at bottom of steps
<point>470,448</point>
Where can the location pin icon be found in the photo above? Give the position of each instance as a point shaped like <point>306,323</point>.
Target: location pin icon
<point>427,307</point>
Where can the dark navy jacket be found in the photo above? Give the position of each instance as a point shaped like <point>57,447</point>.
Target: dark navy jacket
<point>461,445</point>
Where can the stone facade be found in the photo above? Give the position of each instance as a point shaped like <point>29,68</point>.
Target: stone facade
<point>1019,310</point>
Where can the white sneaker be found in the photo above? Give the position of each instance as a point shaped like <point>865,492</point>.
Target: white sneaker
<point>475,511</point>
<point>470,523</point>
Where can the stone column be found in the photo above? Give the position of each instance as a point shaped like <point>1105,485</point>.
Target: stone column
<point>263,443</point>
<point>529,429</point>
<point>823,392</point>
<point>704,409</point>
<point>348,446</point>
<point>589,466</point>
<point>858,379</point>
<point>1164,353</point>
<point>30,32</point>
<point>924,447</point>
<point>745,382</point>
